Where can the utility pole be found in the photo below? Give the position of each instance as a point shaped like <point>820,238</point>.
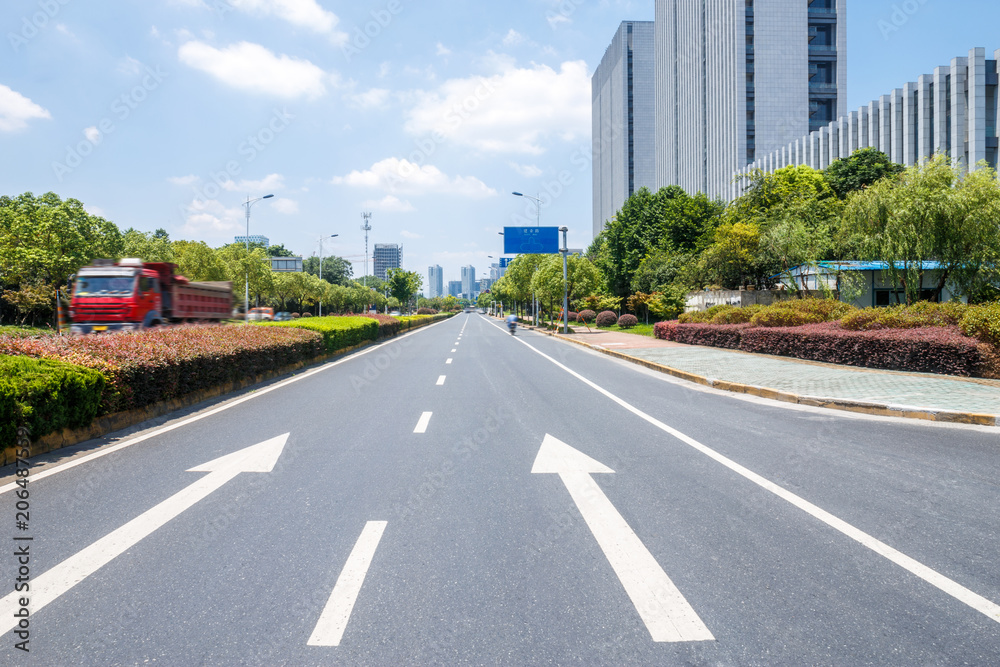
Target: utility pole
<point>366,228</point>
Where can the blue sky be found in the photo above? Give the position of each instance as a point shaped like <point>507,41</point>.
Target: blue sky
<point>168,113</point>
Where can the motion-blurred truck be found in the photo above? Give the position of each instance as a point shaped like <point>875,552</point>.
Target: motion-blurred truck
<point>132,295</point>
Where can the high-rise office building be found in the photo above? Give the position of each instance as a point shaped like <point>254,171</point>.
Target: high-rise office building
<point>435,282</point>
<point>455,288</point>
<point>495,272</point>
<point>624,111</point>
<point>469,284</point>
<point>735,80</point>
<point>387,256</point>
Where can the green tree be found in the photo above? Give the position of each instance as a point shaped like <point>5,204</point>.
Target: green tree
<point>147,246</point>
<point>336,270</point>
<point>255,265</point>
<point>197,261</point>
<point>865,167</point>
<point>582,279</point>
<point>45,239</point>
<point>280,251</point>
<point>404,285</point>
<point>932,213</point>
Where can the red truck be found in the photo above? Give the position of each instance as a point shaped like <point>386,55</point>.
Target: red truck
<point>131,295</point>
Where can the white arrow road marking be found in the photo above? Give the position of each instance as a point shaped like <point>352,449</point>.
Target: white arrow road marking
<point>950,586</point>
<point>667,615</point>
<point>67,574</point>
<point>441,380</point>
<point>425,419</point>
<point>332,622</point>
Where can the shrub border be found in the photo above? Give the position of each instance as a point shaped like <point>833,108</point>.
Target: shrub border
<point>102,426</point>
<point>861,407</point>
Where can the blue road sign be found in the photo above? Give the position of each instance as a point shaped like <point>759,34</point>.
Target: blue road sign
<point>530,240</point>
<point>505,262</point>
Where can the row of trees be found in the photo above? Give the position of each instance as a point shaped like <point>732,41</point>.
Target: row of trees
<point>663,245</point>
<point>45,240</point>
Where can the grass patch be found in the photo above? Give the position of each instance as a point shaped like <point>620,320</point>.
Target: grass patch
<point>24,331</point>
<point>639,329</point>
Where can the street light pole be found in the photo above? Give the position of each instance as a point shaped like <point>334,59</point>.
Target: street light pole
<point>538,223</point>
<point>246,293</point>
<point>565,253</point>
<point>321,239</point>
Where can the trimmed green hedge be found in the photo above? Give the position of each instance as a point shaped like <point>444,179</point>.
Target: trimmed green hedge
<point>46,396</point>
<point>338,332</point>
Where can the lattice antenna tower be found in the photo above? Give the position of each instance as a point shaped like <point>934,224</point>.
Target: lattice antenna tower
<point>367,227</point>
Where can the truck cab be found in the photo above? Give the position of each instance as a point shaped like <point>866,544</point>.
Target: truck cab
<point>116,297</point>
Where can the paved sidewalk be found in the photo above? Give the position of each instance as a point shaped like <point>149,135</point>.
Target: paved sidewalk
<point>811,382</point>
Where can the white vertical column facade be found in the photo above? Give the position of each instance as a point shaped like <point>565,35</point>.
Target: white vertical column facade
<point>942,105</point>
<point>864,135</point>
<point>873,125</point>
<point>896,126</point>
<point>909,126</point>
<point>925,117</point>
<point>885,124</point>
<point>977,107</point>
<point>959,129</point>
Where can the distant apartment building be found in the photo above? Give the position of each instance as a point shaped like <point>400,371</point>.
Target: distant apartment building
<point>455,288</point>
<point>469,284</point>
<point>624,120</point>
<point>387,256</point>
<point>954,111</point>
<point>435,282</point>
<point>485,284</point>
<point>259,240</point>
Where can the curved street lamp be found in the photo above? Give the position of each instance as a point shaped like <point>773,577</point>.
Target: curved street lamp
<point>246,295</point>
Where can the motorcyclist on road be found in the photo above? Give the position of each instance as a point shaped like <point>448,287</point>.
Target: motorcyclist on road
<point>512,323</point>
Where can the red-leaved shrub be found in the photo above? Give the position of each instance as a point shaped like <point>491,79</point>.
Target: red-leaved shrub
<point>627,321</point>
<point>146,367</point>
<point>666,330</point>
<point>388,326</point>
<point>586,316</point>
<point>607,318</point>
<point>726,336</point>
<point>943,350</point>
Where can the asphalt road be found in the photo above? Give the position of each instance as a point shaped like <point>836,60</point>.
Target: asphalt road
<point>365,531</point>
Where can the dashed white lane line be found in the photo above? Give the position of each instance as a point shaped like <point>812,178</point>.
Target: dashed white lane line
<point>425,419</point>
<point>453,351</point>
<point>332,622</point>
<point>448,362</point>
<point>441,380</point>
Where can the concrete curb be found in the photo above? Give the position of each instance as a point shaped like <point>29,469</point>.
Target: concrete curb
<point>121,420</point>
<point>862,407</point>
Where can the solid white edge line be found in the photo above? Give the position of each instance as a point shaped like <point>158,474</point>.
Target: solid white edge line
<point>423,423</point>
<point>441,380</point>
<point>255,394</point>
<point>936,579</point>
<point>333,620</point>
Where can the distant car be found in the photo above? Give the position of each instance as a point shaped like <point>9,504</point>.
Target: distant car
<point>261,315</point>
<point>395,313</point>
<point>282,317</point>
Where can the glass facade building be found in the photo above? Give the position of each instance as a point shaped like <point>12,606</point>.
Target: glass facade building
<point>387,256</point>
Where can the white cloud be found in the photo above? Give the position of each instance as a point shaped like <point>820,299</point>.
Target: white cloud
<point>556,19</point>
<point>402,176</point>
<point>264,186</point>
<point>375,98</point>
<point>410,235</point>
<point>16,110</point>
<point>391,204</point>
<point>526,170</point>
<point>513,38</point>
<point>93,135</point>
<point>211,219</point>
<point>443,50</point>
<point>183,180</point>
<point>130,65</point>
<point>515,110</point>
<point>286,206</point>
<point>301,13</point>
<point>252,67</point>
